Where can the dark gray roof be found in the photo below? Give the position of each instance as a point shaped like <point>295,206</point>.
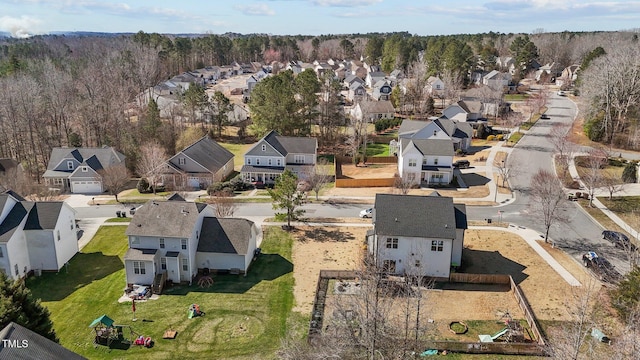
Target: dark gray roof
<point>265,169</point>
<point>208,153</point>
<point>140,254</point>
<point>165,218</point>
<point>461,216</point>
<point>438,147</point>
<point>42,215</point>
<point>175,197</point>
<point>415,216</point>
<point>291,144</point>
<point>39,347</point>
<point>105,156</point>
<point>229,236</point>
<point>408,126</point>
<point>12,221</point>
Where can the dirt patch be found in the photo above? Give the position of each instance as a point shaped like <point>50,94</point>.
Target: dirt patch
<point>322,248</point>
<point>373,171</point>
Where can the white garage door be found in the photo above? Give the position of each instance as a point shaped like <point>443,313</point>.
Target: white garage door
<point>194,182</point>
<point>85,187</point>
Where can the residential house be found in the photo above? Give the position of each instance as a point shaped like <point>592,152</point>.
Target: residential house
<point>373,110</point>
<point>435,86</point>
<point>350,79</point>
<point>35,236</point>
<point>547,71</point>
<point>395,76</point>
<point>18,342</point>
<point>506,63</point>
<point>569,75</point>
<point>176,238</point>
<point>198,165</point>
<point>464,110</point>
<point>184,80</point>
<point>270,156</point>
<point>251,83</point>
<point>356,92</point>
<point>78,169</point>
<point>373,77</point>
<point>417,235</point>
<point>497,80</point>
<point>381,90</point>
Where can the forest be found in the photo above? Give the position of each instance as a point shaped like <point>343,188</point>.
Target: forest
<point>79,90</point>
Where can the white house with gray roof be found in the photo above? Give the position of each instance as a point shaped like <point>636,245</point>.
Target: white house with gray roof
<point>417,235</point>
<point>78,169</point>
<point>273,154</point>
<point>35,236</point>
<point>177,238</point>
<point>198,165</point>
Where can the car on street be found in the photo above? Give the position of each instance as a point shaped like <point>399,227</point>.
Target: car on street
<point>601,267</point>
<point>618,239</point>
<point>462,164</point>
<point>544,117</point>
<point>366,213</point>
<point>561,93</point>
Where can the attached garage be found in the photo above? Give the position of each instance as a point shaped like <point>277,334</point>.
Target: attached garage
<point>86,187</point>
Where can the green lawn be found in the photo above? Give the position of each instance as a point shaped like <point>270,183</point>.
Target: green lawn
<point>119,220</point>
<point>245,317</point>
<point>515,97</point>
<point>378,149</point>
<point>238,151</point>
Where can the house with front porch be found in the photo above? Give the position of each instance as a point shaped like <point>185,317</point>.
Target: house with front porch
<point>426,161</point>
<point>78,169</point>
<point>270,156</point>
<point>174,239</point>
<point>197,166</point>
<point>417,235</point>
<point>35,236</point>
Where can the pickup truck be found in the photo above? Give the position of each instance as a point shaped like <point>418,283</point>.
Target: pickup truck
<point>601,267</point>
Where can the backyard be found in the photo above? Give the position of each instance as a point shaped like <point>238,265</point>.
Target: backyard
<point>245,317</point>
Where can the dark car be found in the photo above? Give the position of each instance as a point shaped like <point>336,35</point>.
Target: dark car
<point>462,164</point>
<point>544,117</point>
<point>618,239</point>
<point>601,267</point>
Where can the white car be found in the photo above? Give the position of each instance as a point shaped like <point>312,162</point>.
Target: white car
<point>367,213</point>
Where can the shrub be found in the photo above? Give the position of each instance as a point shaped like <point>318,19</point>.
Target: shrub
<point>217,187</point>
<point>237,184</point>
<point>459,152</point>
<point>594,129</point>
<point>500,137</point>
<point>143,186</point>
<point>491,138</point>
<point>630,173</point>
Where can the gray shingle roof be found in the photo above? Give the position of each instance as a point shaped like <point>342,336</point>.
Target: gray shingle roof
<point>39,347</point>
<point>140,254</point>
<point>229,236</point>
<point>291,144</point>
<point>42,215</point>
<point>415,216</point>
<point>408,126</point>
<point>165,218</point>
<point>104,156</point>
<point>264,169</point>
<point>437,147</point>
<point>461,216</point>
<point>207,153</point>
<point>12,221</point>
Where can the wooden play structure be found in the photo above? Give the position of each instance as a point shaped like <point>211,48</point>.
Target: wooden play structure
<point>107,333</point>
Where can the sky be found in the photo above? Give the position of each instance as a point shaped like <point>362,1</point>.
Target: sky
<point>316,17</point>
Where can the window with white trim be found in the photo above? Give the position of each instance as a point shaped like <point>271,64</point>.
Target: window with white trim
<point>1,253</point>
<point>248,161</point>
<point>15,267</point>
<point>264,147</point>
<point>135,240</point>
<point>257,161</point>
<point>161,243</point>
<point>182,161</point>
<point>69,165</point>
<point>392,243</point>
<point>185,264</point>
<point>412,162</point>
<point>389,266</point>
<point>437,245</point>
<point>298,159</point>
<point>435,161</point>
<point>269,162</point>
<point>163,263</point>
<point>85,169</point>
<point>139,268</point>
<point>278,162</point>
<point>424,161</point>
<point>183,243</point>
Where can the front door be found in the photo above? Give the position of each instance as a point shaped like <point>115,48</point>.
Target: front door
<point>173,269</point>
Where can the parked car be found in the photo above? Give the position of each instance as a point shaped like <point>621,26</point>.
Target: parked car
<point>601,267</point>
<point>561,93</point>
<point>618,239</point>
<point>544,117</point>
<point>462,164</point>
<point>366,213</point>
<point>133,210</point>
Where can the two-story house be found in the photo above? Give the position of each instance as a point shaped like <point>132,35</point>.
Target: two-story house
<point>270,156</point>
<point>78,169</point>
<point>417,235</point>
<point>198,165</point>
<point>35,236</point>
<point>176,238</point>
<point>381,90</point>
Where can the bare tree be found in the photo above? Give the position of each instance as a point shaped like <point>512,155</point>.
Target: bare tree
<point>559,138</point>
<point>403,183</point>
<point>152,158</point>
<point>627,345</point>
<point>318,176</point>
<point>115,179</point>
<point>593,178</point>
<point>223,203</point>
<point>612,182</point>
<point>571,341</point>
<point>453,82</point>
<point>547,199</point>
<point>507,171</point>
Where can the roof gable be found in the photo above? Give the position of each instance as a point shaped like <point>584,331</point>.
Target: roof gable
<point>43,215</point>
<point>39,346</point>
<point>165,218</point>
<point>205,152</point>
<point>225,235</point>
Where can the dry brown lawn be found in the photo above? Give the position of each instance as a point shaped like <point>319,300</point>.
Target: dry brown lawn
<point>372,171</point>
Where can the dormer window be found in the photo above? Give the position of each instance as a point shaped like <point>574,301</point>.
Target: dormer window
<point>248,161</point>
<point>264,147</point>
<point>182,161</point>
<point>70,165</point>
<point>85,169</point>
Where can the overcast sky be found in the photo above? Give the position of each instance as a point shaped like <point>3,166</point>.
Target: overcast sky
<point>315,17</point>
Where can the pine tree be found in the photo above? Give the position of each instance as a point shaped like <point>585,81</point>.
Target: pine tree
<point>18,305</point>
<point>286,196</point>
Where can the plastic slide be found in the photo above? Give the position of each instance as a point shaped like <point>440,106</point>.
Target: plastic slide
<point>499,333</point>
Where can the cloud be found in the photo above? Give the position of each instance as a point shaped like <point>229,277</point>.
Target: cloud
<point>22,27</point>
<point>255,10</point>
<point>346,3</point>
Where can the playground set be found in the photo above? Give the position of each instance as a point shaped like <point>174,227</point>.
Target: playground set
<point>111,335</point>
<point>194,311</point>
<point>512,332</point>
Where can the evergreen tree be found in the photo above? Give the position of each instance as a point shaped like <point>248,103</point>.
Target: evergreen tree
<point>307,86</point>
<point>220,106</point>
<point>151,121</point>
<point>18,305</point>
<point>274,106</point>
<point>286,196</point>
<point>195,99</point>
<point>630,173</point>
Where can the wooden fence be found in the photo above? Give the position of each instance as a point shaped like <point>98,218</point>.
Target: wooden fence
<point>317,314</point>
<point>358,183</point>
<point>480,278</point>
